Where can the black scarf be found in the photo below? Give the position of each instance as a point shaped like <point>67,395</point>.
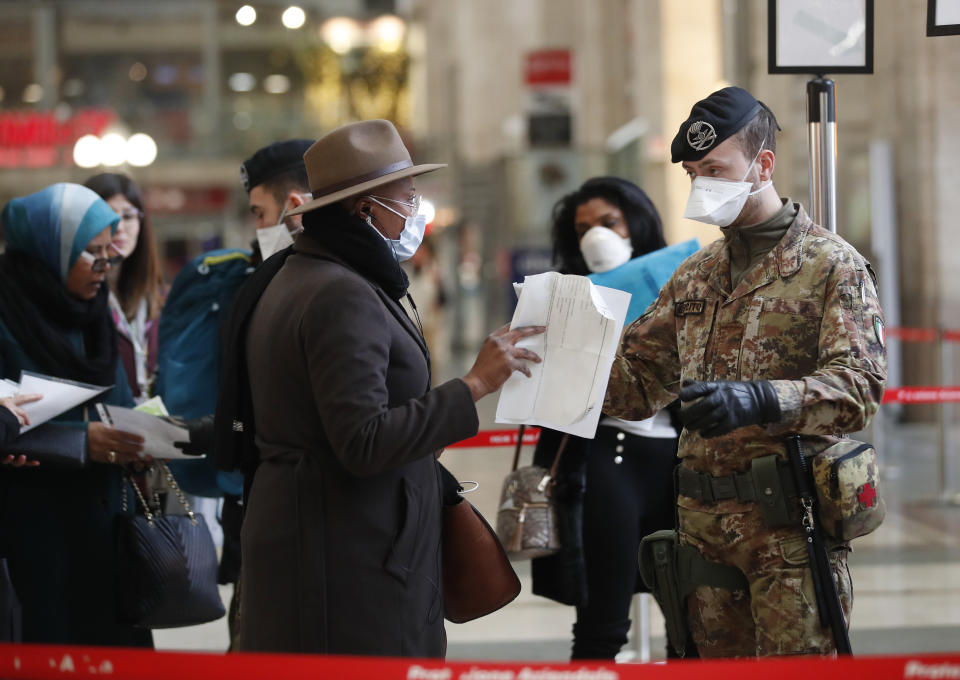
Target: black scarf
<point>38,310</point>
<point>358,244</point>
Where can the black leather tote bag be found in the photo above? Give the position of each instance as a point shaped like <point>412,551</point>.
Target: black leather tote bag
<point>167,567</point>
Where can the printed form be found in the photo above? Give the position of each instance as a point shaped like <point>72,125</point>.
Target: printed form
<point>584,322</point>
<point>59,395</point>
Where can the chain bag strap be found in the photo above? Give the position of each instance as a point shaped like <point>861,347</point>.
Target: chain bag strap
<point>167,565</point>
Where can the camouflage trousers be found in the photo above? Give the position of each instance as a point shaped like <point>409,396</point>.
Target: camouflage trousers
<point>779,613</point>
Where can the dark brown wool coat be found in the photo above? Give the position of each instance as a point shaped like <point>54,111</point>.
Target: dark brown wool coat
<point>341,537</point>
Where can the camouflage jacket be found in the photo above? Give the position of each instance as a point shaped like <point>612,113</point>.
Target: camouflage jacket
<point>806,318</point>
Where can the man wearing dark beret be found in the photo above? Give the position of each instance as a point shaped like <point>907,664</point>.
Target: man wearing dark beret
<point>276,182</point>
<point>773,329</point>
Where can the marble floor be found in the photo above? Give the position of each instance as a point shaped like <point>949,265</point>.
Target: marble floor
<point>906,575</point>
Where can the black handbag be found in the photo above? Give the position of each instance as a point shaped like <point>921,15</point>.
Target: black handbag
<point>167,566</point>
<point>52,445</point>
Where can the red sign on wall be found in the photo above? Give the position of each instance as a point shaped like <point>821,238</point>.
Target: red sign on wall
<point>548,67</point>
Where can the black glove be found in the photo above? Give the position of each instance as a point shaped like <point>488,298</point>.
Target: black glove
<point>727,405</point>
<point>201,435</point>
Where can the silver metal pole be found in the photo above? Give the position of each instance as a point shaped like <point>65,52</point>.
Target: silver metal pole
<point>822,121</point>
<point>45,54</point>
<point>943,435</point>
<point>212,77</point>
<point>645,633</point>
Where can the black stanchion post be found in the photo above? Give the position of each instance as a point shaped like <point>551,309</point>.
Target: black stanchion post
<point>822,124</point>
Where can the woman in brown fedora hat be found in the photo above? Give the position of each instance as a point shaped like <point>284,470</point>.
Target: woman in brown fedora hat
<point>341,536</point>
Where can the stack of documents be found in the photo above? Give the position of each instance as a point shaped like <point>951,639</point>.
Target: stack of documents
<point>583,323</point>
<point>59,395</point>
<point>159,435</point>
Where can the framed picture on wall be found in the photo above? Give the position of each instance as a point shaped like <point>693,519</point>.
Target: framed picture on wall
<point>821,37</point>
<point>943,17</point>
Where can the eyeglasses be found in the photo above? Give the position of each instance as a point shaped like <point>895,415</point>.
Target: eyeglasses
<point>97,264</point>
<point>413,205</point>
<point>130,215</point>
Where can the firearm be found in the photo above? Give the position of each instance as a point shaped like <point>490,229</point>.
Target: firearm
<point>828,599</point>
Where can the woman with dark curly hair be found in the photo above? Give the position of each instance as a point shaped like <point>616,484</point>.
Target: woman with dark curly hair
<point>618,487</point>
<point>136,284</point>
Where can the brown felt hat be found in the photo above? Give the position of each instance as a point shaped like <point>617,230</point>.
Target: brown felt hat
<point>355,158</point>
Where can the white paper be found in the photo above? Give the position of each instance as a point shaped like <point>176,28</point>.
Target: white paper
<point>59,395</point>
<point>584,321</point>
<point>158,434</point>
<point>8,388</point>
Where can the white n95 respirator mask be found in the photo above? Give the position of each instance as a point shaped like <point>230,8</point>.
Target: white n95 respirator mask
<point>719,201</point>
<point>604,249</point>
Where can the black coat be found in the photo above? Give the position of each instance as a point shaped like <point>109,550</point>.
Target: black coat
<point>341,536</point>
<point>9,426</point>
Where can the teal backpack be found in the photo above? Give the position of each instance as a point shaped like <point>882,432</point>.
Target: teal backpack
<point>188,361</point>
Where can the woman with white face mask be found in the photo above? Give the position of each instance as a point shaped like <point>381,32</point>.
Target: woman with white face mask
<point>617,487</point>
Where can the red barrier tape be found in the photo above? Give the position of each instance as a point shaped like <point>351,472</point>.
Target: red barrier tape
<point>41,662</point>
<point>921,395</point>
<point>913,334</point>
<point>499,438</point>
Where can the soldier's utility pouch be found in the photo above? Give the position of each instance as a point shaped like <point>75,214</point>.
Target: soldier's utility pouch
<point>672,571</point>
<point>660,571</point>
<point>847,481</point>
<point>768,475</point>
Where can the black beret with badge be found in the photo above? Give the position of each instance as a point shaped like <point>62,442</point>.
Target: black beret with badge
<point>713,120</point>
<point>273,160</point>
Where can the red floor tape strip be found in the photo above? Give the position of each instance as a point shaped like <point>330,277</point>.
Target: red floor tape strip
<point>499,438</point>
<point>921,395</point>
<point>42,662</point>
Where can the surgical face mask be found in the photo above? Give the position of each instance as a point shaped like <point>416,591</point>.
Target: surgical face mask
<point>414,226</point>
<point>604,249</point>
<point>719,201</point>
<point>276,238</point>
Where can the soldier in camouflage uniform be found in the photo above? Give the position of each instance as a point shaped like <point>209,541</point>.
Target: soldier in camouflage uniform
<point>773,329</point>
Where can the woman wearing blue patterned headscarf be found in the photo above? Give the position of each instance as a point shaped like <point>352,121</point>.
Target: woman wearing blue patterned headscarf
<point>58,524</point>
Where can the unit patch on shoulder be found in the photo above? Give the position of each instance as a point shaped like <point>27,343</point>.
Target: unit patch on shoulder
<point>689,307</point>
<point>878,329</point>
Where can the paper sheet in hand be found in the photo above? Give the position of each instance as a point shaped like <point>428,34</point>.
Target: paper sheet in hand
<point>8,388</point>
<point>59,395</point>
<point>644,276</point>
<point>583,323</point>
<point>159,434</point>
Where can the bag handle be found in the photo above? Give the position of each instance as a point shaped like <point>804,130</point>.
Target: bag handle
<point>516,451</point>
<point>143,502</point>
<point>556,458</point>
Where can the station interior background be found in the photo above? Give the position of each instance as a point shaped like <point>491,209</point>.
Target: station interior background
<point>178,92</point>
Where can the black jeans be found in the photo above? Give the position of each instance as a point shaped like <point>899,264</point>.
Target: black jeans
<point>629,494</point>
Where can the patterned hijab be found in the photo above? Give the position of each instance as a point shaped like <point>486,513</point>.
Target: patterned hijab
<point>55,224</point>
<point>45,233</point>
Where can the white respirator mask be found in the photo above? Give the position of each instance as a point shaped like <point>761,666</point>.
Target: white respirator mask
<point>719,201</point>
<point>604,249</point>
<point>276,238</point>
